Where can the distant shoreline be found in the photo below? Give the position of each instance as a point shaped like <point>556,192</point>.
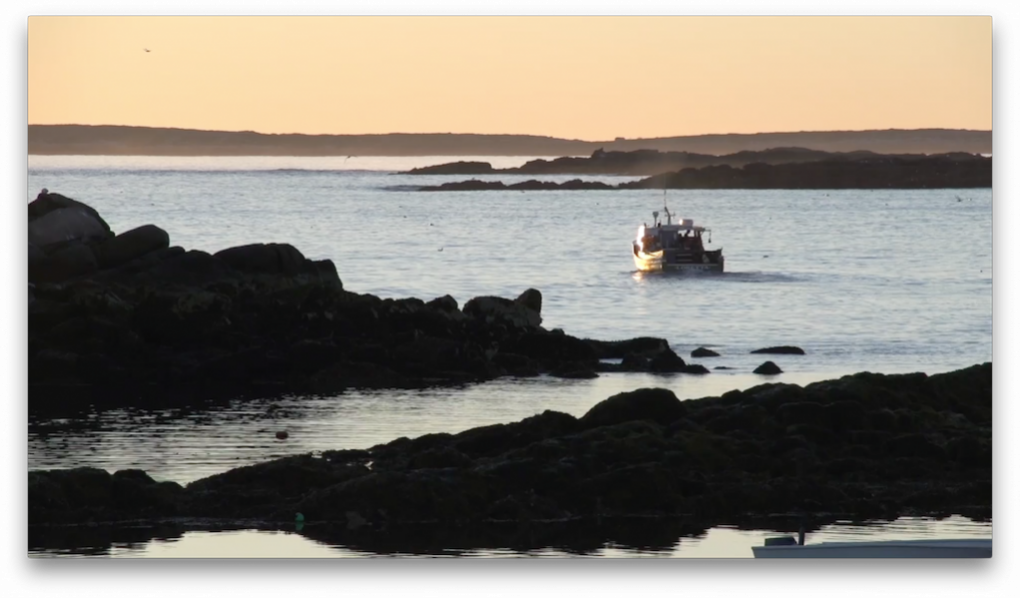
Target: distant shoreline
<point>881,172</point>
<point>112,140</point>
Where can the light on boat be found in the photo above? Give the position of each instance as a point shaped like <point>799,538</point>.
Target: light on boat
<point>641,237</point>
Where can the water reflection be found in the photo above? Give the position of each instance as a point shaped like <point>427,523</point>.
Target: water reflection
<point>183,444</point>
<point>621,538</point>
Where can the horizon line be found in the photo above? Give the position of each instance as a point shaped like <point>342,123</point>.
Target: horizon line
<point>616,139</point>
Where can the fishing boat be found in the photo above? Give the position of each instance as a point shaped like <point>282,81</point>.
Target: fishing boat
<point>786,547</point>
<point>675,246</point>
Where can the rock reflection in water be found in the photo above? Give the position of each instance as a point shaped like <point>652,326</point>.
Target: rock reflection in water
<point>628,537</point>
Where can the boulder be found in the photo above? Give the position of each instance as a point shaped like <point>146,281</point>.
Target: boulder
<point>47,202</point>
<point>445,303</point>
<point>498,309</point>
<point>768,369</point>
<point>67,224</point>
<point>659,405</point>
<point>531,299</point>
<point>666,361</point>
<point>264,258</point>
<point>132,244</point>
<point>703,352</point>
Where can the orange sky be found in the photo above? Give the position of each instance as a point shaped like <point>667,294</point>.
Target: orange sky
<point>589,78</point>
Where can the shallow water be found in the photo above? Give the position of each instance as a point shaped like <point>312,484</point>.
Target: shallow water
<point>884,281</point>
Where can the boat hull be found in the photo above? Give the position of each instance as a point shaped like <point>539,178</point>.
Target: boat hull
<point>892,549</point>
<point>659,262</point>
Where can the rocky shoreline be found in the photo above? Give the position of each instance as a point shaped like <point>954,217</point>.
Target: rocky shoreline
<point>128,318</point>
<point>131,320</point>
<point>880,172</point>
<point>865,446</point>
<point>653,162</point>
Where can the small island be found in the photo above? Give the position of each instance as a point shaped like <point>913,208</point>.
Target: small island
<point>948,171</point>
<point>647,162</point>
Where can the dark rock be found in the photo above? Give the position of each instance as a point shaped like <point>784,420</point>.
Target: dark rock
<point>576,371</point>
<point>267,258</point>
<point>65,225</point>
<point>970,452</point>
<point>132,244</point>
<point>803,413</point>
<point>499,438</point>
<point>344,375</point>
<point>768,369</point>
<point>783,350</point>
<point>264,489</point>
<point>642,346</point>
<point>53,366</point>
<point>463,167</point>
<point>416,495</point>
<point>846,415</point>
<point>516,364</point>
<point>883,419</point>
<point>666,361</point>
<point>45,203</point>
<point>654,404</point>
<point>185,316</point>
<point>531,299</point>
<point>551,348</point>
<point>498,309</point>
<point>694,368</point>
<point>915,445</point>
<point>703,352</point>
<point>445,303</point>
<point>635,362</point>
<point>439,458</point>
<point>311,356</point>
<point>71,261</point>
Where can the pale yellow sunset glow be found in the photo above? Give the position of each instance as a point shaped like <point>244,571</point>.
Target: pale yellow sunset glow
<point>574,77</point>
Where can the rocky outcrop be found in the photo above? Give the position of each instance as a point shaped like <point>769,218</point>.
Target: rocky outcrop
<point>768,369</point>
<point>646,162</point>
<point>947,171</point>
<point>703,352</point>
<point>865,446</point>
<point>531,185</point>
<point>129,319</point>
<point>884,172</point>
<point>783,350</point>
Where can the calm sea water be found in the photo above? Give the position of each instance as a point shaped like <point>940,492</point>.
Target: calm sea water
<point>884,281</point>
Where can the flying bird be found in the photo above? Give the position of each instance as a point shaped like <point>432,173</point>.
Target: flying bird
<point>147,50</point>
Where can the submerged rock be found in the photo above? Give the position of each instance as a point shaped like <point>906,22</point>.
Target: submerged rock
<point>783,350</point>
<point>768,369</point>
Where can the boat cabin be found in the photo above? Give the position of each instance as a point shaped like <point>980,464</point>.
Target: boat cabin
<point>682,236</point>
